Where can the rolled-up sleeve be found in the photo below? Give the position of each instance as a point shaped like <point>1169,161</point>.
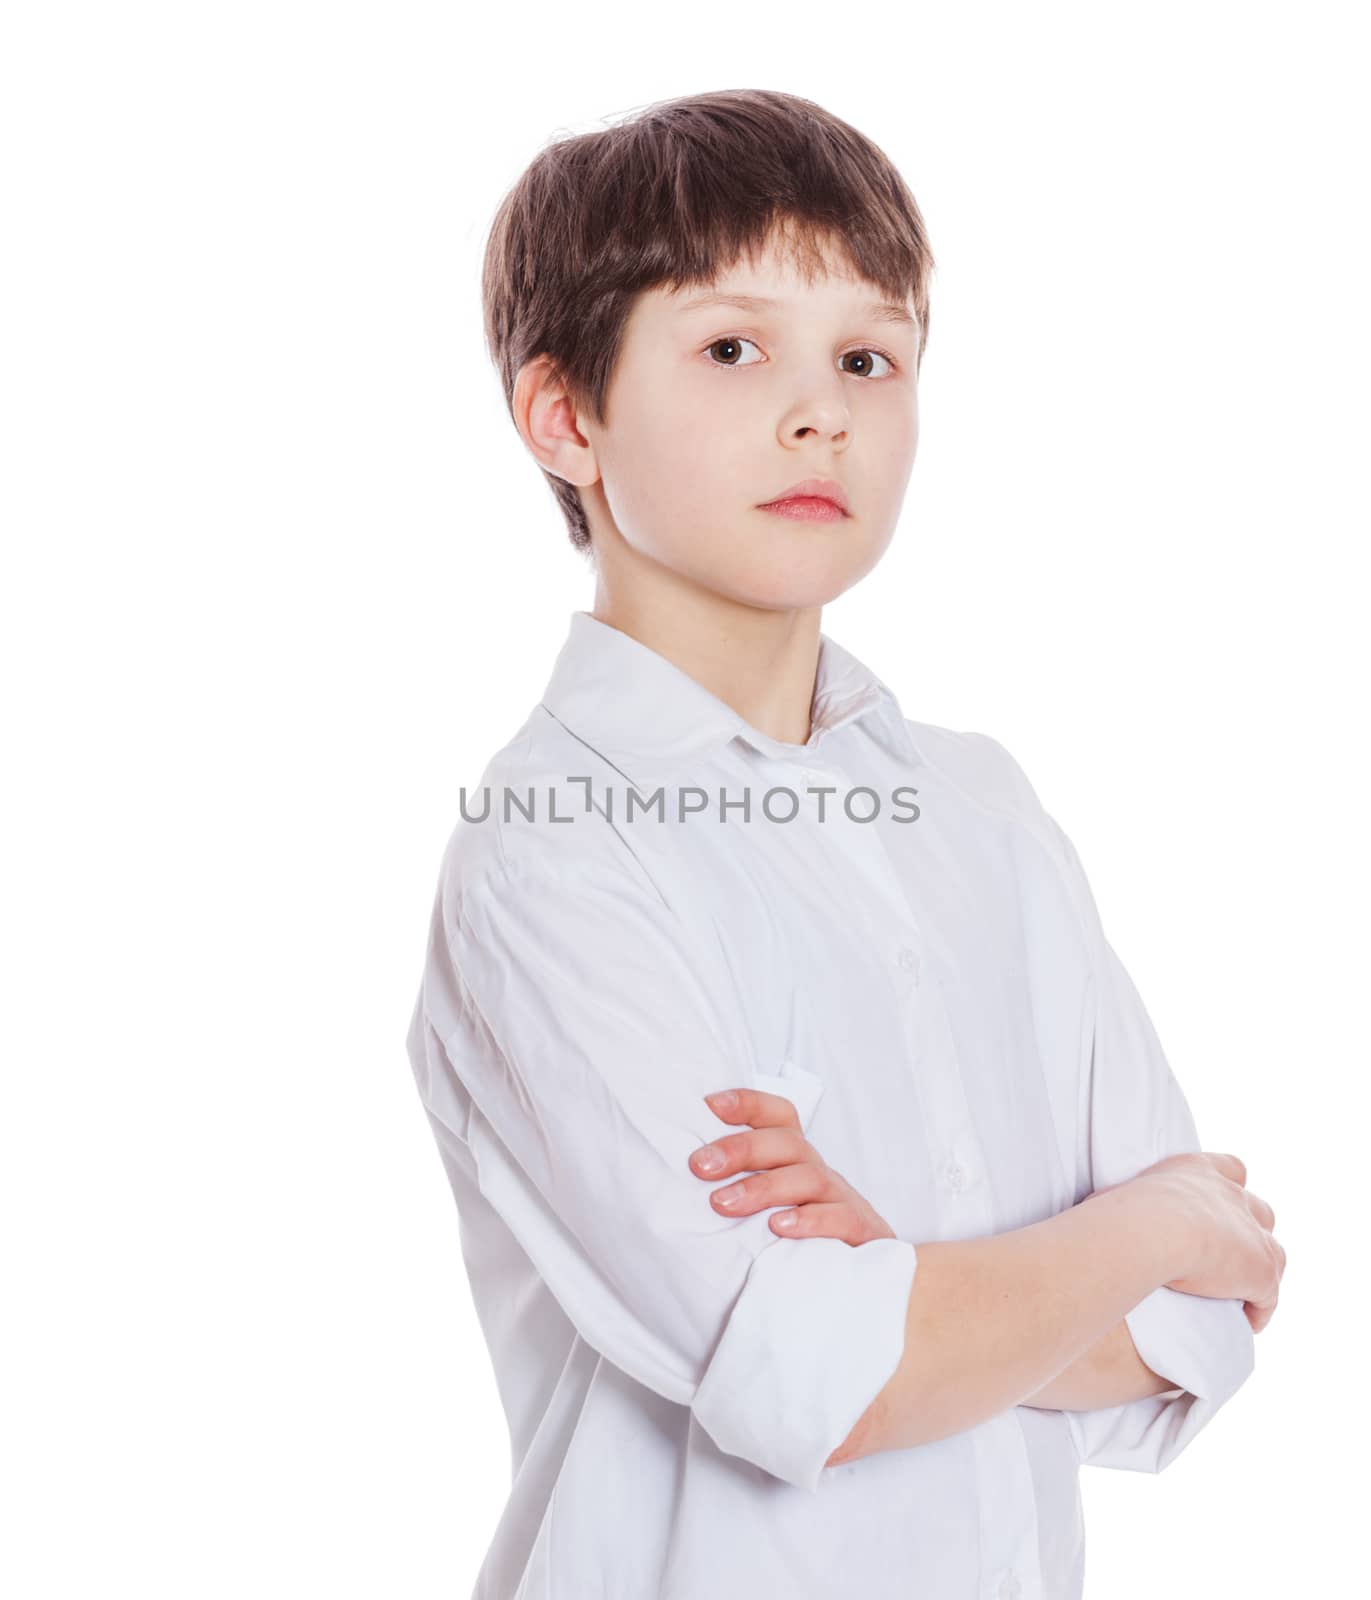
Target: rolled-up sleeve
<point>567,1032</point>
<point>1132,1114</point>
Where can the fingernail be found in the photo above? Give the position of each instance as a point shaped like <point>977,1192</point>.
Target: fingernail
<point>709,1159</point>
<point>786,1221</point>
<point>725,1100</point>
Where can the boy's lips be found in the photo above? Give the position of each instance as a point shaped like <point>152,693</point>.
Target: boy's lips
<point>811,489</point>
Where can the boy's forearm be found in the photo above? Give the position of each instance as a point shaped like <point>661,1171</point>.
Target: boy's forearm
<point>1109,1373</point>
<point>992,1321</point>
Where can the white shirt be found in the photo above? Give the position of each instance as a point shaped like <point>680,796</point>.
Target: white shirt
<point>931,988</point>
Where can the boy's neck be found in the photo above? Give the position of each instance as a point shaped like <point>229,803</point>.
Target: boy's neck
<point>761,663</point>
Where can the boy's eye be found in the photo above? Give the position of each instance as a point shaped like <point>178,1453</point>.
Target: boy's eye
<point>732,348</point>
<point>869,355</point>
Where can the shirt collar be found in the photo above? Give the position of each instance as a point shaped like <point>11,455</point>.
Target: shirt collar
<point>634,707</point>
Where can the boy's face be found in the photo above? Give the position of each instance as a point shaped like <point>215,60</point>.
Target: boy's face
<point>715,409</point>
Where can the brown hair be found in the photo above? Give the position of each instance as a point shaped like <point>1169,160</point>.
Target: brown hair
<point>674,196</point>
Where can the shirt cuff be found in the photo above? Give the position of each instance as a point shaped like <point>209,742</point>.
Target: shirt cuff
<point>816,1334</point>
<point>1204,1347</point>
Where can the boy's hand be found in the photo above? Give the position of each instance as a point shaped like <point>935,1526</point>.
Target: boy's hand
<point>1232,1251</point>
<point>785,1170</point>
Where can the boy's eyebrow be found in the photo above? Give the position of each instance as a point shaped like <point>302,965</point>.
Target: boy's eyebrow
<point>882,310</point>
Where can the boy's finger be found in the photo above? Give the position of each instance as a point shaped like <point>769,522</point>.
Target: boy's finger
<point>756,1107</point>
<point>819,1220</point>
<point>752,1150</point>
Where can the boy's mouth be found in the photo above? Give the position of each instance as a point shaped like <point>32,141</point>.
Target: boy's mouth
<point>813,500</point>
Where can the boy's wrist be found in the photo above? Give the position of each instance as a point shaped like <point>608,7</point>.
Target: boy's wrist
<point>1153,1221</point>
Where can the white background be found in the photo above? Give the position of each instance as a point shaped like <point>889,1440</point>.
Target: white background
<point>279,577</point>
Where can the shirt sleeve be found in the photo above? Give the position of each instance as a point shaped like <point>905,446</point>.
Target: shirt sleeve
<point>567,1031</point>
<point>1134,1113</point>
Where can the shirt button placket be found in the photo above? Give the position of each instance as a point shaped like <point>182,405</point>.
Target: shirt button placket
<point>1007,1508</point>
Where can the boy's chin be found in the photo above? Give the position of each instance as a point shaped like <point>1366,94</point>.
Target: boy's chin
<point>771,594</point>
<point>807,568</point>
<point>791,583</point>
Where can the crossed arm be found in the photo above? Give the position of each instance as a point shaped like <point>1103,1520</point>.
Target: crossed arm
<point>514,1039</point>
<point>785,1170</point>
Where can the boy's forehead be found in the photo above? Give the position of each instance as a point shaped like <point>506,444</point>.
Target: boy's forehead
<point>760,293</point>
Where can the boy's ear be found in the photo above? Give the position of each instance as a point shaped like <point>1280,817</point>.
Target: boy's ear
<point>545,415</point>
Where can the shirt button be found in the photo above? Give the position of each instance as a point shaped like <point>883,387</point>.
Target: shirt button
<point>954,1176</point>
<point>1009,1587</point>
<point>908,958</point>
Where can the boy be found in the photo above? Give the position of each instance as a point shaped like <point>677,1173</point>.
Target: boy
<point>979,1245</point>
